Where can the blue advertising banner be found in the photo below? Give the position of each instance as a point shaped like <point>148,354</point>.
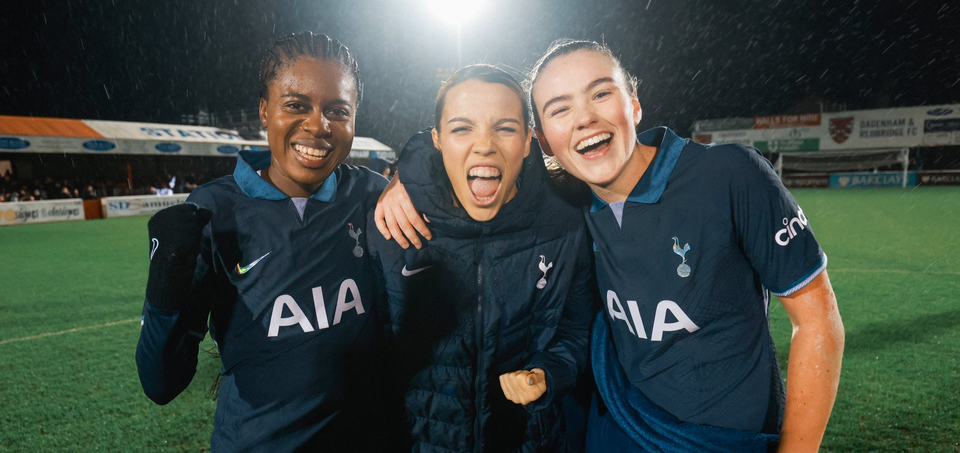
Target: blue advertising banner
<point>881,179</point>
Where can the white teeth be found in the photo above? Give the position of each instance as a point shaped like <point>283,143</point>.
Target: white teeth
<point>310,153</point>
<point>593,140</point>
<point>484,172</point>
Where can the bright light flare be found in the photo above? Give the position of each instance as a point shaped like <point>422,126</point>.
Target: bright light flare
<point>455,12</point>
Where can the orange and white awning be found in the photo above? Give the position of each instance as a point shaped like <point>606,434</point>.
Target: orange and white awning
<point>60,135</point>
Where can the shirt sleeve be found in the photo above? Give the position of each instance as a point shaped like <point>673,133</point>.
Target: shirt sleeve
<point>170,338</point>
<point>772,230</point>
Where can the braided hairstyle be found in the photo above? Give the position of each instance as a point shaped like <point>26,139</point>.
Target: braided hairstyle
<point>306,44</point>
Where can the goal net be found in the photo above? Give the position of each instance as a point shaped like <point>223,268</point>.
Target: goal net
<point>842,161</point>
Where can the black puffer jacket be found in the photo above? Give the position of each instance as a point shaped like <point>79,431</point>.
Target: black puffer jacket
<point>482,299</point>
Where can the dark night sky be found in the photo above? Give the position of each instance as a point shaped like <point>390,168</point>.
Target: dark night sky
<point>151,61</point>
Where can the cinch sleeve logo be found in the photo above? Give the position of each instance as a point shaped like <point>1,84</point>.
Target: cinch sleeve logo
<point>784,235</point>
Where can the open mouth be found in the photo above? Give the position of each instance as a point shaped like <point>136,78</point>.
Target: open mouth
<point>484,183</point>
<point>594,143</point>
<point>310,154</point>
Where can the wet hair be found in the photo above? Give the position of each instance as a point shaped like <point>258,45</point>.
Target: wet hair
<point>306,44</point>
<point>562,47</point>
<point>484,73</point>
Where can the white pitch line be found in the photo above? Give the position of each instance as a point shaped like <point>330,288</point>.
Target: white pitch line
<point>75,329</point>
<point>893,271</point>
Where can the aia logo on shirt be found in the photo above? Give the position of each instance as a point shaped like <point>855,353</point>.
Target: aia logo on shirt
<point>661,323</point>
<point>790,230</point>
<point>286,303</point>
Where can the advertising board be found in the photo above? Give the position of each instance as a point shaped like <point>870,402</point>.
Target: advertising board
<point>139,205</point>
<point>904,127</point>
<point>18,213</point>
<point>880,179</point>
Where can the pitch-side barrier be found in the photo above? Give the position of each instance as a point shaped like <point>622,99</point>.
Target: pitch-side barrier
<point>19,213</point>
<point>139,205</point>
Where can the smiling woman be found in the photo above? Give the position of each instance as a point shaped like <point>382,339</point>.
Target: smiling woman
<point>308,106</point>
<point>263,254</point>
<point>710,381</point>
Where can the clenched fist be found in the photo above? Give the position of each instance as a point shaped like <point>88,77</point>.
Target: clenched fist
<point>524,387</point>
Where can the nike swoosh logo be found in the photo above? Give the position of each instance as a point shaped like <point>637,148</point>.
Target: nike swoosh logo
<point>407,273</point>
<point>154,245</point>
<point>245,269</point>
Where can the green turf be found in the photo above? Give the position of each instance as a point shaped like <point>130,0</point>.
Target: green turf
<point>78,391</point>
<point>894,262</point>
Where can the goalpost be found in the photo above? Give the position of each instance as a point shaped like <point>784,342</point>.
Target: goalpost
<point>846,160</point>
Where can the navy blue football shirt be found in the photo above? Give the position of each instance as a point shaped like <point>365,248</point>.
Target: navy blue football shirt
<point>289,289</point>
<point>685,267</point>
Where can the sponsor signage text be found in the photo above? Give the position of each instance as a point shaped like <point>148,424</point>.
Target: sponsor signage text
<point>881,179</point>
<point>17,213</point>
<point>139,205</point>
<point>905,127</point>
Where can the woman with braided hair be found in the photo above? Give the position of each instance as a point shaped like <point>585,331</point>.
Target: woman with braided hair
<point>273,256</point>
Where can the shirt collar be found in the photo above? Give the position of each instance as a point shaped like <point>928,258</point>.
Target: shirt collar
<point>654,179</point>
<point>254,186</point>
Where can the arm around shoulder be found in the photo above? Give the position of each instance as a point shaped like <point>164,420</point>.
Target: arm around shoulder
<point>397,218</point>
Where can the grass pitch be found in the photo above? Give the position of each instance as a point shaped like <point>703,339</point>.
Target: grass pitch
<point>894,261</point>
<point>72,294</point>
<point>69,323</point>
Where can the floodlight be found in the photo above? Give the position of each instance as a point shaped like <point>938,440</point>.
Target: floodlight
<point>455,12</point>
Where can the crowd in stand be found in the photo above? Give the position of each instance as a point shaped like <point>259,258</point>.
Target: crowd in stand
<point>14,189</point>
<point>49,188</point>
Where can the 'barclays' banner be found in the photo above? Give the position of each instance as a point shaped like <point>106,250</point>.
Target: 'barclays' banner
<point>940,178</point>
<point>881,179</point>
